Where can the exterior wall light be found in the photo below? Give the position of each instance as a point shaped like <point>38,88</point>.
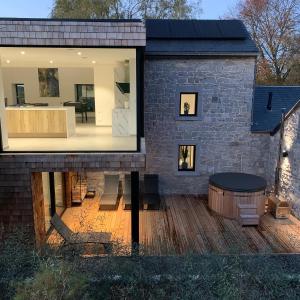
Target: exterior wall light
<point>285,153</point>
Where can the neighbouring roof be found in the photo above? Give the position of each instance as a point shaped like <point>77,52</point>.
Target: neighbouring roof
<point>198,37</point>
<point>283,97</point>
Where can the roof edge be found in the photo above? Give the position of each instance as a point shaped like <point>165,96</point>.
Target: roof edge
<point>288,114</point>
<point>71,20</point>
<point>197,54</point>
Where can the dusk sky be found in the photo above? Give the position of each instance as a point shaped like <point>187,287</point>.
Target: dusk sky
<point>212,9</point>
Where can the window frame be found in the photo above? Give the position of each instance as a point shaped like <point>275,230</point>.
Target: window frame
<point>196,104</point>
<point>193,158</point>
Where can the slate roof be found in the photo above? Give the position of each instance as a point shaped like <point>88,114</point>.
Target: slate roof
<point>283,97</point>
<point>198,37</point>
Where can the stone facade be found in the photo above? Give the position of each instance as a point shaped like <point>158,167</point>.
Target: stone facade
<point>16,176</point>
<point>64,33</point>
<point>290,166</point>
<point>222,134</point>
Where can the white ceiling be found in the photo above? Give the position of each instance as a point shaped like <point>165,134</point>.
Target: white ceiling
<point>62,57</point>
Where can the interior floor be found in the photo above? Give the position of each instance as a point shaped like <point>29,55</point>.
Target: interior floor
<point>88,138</point>
<point>185,225</point>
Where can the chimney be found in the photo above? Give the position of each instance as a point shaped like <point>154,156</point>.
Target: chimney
<point>269,105</point>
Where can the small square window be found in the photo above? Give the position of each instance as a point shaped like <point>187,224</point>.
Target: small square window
<point>186,157</point>
<point>188,104</point>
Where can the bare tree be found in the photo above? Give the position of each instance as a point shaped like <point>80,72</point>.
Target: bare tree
<point>179,9</point>
<point>274,26</point>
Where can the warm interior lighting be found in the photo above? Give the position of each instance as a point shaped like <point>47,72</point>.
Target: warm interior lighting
<point>93,62</point>
<point>51,61</point>
<point>22,52</point>
<point>8,61</point>
<point>79,53</point>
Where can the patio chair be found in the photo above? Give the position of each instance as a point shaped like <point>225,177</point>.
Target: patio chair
<point>71,237</point>
<point>127,193</point>
<point>151,198</point>
<point>111,195</point>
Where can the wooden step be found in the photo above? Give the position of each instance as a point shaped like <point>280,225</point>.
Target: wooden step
<point>249,219</point>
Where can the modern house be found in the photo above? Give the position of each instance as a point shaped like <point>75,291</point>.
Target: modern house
<point>84,99</point>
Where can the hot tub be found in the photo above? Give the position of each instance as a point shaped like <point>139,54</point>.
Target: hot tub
<point>237,196</point>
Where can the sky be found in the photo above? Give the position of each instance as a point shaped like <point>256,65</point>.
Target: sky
<point>212,9</point>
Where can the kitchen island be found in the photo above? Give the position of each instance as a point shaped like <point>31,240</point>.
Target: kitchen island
<point>35,121</point>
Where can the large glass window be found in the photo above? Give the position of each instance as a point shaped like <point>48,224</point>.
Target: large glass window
<point>186,157</point>
<point>73,100</point>
<point>188,104</point>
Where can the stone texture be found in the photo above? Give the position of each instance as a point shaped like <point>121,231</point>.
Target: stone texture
<point>290,166</point>
<point>223,135</point>
<point>72,33</point>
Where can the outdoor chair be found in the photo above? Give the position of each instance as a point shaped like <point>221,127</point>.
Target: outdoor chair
<point>71,237</point>
<point>111,195</point>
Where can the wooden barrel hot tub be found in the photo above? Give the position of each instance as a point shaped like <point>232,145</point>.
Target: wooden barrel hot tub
<point>237,196</point>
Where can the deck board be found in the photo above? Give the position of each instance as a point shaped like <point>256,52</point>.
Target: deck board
<point>186,225</point>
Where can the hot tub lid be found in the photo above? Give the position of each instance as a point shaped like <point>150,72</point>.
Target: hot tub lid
<point>238,182</point>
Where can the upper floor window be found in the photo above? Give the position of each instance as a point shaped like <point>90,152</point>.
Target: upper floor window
<point>188,104</point>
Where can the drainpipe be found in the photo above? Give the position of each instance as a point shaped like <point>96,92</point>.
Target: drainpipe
<point>278,167</point>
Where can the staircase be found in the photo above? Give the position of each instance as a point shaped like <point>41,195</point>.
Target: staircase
<point>79,188</point>
<point>247,214</point>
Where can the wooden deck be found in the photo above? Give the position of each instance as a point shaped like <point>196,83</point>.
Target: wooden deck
<point>186,225</point>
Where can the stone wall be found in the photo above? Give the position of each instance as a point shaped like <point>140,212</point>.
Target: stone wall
<point>16,170</point>
<point>222,132</point>
<point>290,166</point>
<point>20,32</point>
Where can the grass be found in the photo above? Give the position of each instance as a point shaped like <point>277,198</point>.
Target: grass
<point>25,274</point>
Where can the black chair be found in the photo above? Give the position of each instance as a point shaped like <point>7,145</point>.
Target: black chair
<point>151,198</point>
<point>80,108</point>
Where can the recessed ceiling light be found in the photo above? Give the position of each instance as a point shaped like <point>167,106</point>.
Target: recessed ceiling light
<point>93,62</point>
<point>79,53</point>
<point>8,61</point>
<point>51,61</point>
<point>22,52</point>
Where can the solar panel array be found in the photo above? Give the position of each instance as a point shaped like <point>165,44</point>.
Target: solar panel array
<point>196,29</point>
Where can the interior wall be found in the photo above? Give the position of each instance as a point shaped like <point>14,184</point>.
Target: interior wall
<point>104,94</point>
<point>2,112</point>
<point>68,77</point>
<point>132,97</point>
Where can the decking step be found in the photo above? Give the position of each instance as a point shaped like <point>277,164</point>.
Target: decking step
<point>249,219</point>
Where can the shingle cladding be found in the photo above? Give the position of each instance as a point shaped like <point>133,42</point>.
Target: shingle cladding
<point>283,97</point>
<point>84,33</point>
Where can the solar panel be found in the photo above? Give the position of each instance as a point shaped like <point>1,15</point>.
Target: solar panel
<point>195,29</point>
<point>182,29</point>
<point>207,29</point>
<point>157,29</point>
<point>232,29</point>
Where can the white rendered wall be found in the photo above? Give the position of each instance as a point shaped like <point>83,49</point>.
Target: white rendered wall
<point>68,77</point>
<point>132,96</point>
<point>104,94</point>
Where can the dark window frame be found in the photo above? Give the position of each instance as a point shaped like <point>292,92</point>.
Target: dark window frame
<point>196,104</point>
<point>193,158</point>
<point>140,53</point>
